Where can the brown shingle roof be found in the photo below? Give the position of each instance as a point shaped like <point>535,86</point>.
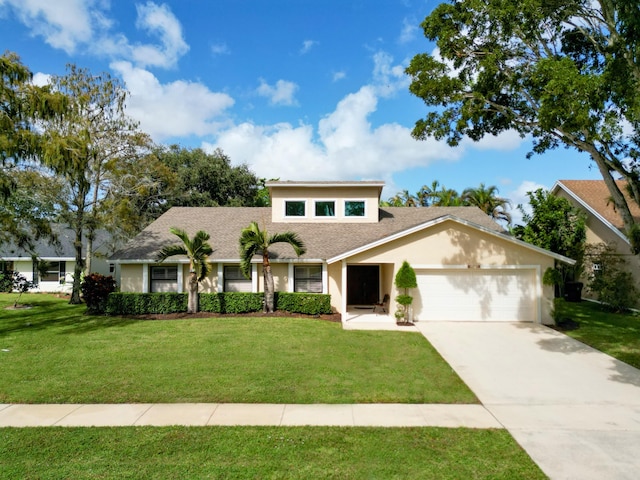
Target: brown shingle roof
<point>595,194</point>
<point>322,240</point>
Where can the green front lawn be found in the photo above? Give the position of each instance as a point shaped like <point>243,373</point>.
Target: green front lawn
<point>617,334</point>
<point>262,452</point>
<point>53,353</point>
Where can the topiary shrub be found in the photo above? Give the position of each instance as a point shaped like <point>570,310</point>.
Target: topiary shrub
<point>405,279</point>
<point>95,291</point>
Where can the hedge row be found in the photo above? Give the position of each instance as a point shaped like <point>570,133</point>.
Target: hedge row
<point>228,302</point>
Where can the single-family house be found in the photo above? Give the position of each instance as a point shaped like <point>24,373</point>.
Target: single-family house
<point>604,224</point>
<point>468,268</point>
<point>51,264</point>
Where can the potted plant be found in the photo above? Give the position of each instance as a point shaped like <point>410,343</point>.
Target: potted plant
<point>405,279</point>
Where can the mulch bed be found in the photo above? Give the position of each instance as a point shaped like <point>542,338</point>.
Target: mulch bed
<point>334,317</point>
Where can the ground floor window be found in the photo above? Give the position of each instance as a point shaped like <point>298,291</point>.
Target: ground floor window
<point>235,281</point>
<point>6,266</point>
<point>307,278</point>
<point>49,271</point>
<point>164,278</point>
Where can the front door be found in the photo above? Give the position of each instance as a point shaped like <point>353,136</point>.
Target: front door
<point>363,284</point>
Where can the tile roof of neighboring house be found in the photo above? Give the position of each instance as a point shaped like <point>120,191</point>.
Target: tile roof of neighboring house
<point>62,247</point>
<point>595,195</point>
<point>322,240</point>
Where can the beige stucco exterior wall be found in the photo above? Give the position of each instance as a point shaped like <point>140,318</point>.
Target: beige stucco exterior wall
<point>599,232</point>
<point>454,244</point>
<point>334,284</point>
<point>339,194</point>
<point>131,278</point>
<point>280,272</point>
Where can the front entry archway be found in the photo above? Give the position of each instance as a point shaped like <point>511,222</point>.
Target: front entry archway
<point>363,284</point>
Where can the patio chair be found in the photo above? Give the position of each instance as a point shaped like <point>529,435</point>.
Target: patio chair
<point>383,306</point>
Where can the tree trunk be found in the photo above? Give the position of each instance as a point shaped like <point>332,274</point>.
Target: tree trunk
<point>192,306</point>
<point>269,288</point>
<point>87,262</point>
<point>79,266</point>
<point>616,195</point>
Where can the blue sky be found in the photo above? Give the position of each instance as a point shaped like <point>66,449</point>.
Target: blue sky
<point>296,89</point>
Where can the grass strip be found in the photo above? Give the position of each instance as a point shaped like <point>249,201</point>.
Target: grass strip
<point>262,452</point>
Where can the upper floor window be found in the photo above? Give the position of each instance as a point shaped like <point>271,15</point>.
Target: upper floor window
<point>294,208</point>
<point>354,208</point>
<point>326,209</point>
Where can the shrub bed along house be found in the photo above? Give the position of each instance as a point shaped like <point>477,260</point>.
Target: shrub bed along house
<point>226,303</point>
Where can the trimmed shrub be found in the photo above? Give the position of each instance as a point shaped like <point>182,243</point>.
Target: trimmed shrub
<point>226,302</point>
<point>95,291</point>
<point>231,302</point>
<point>305,303</point>
<point>120,303</point>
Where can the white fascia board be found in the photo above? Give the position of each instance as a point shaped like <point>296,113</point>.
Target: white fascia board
<point>29,258</point>
<point>372,183</point>
<point>213,260</point>
<point>139,261</point>
<point>587,207</point>
<point>453,218</point>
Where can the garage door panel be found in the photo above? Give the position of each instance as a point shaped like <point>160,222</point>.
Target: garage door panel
<point>475,295</point>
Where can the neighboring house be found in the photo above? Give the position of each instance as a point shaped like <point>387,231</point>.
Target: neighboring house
<point>52,269</point>
<point>468,269</point>
<point>603,222</point>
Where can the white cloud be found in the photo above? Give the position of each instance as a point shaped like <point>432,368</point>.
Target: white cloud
<point>282,93</point>
<point>343,147</point>
<point>519,197</point>
<point>174,109</point>
<point>158,20</point>
<point>388,78</point>
<point>307,45</point>
<point>220,49</point>
<point>41,79</point>
<point>84,25</point>
<point>63,24</point>
<point>409,30</point>
<point>337,76</point>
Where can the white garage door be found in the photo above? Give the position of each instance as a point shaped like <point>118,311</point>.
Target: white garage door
<point>504,295</point>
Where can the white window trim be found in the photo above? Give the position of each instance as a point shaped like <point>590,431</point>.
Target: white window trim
<point>335,207</point>
<point>146,285</point>
<point>291,276</point>
<point>284,208</point>
<point>344,207</point>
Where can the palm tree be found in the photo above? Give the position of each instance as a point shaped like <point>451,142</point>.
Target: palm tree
<point>447,197</point>
<point>198,251</point>
<point>487,200</point>
<point>254,241</point>
<point>427,193</point>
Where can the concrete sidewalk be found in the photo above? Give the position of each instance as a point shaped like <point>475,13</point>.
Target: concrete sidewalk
<point>207,414</point>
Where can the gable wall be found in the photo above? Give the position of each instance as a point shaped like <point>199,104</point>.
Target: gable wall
<point>450,243</point>
<point>598,232</point>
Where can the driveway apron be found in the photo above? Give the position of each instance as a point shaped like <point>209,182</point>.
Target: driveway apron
<point>575,411</point>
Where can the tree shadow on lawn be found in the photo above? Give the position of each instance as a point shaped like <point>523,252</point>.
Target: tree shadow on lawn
<point>68,320</point>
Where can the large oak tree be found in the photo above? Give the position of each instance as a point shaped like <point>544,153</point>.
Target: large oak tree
<point>565,72</point>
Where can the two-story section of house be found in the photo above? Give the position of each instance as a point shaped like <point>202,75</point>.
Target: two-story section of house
<point>468,269</point>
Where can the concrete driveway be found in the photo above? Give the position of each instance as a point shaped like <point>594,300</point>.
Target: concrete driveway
<point>575,411</point>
